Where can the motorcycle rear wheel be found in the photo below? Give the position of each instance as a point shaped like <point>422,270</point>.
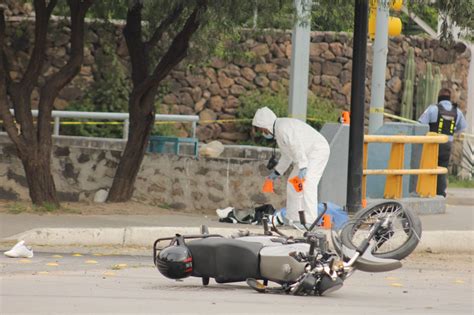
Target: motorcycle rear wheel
<point>396,242</point>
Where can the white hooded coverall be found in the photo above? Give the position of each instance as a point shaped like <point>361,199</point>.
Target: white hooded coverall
<point>303,146</point>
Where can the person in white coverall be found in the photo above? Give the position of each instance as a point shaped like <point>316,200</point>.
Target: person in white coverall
<point>303,146</point>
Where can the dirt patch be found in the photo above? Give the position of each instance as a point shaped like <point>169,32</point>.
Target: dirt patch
<point>88,208</point>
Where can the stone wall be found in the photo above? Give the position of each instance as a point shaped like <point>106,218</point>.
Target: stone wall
<point>164,180</point>
<point>214,91</point>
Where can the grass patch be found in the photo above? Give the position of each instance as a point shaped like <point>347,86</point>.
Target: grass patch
<point>455,182</point>
<point>25,207</point>
<point>16,208</point>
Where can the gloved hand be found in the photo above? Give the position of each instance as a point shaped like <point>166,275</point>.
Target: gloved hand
<point>274,175</point>
<point>302,173</point>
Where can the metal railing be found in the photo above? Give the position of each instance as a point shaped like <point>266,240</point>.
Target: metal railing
<point>58,114</point>
<point>427,173</point>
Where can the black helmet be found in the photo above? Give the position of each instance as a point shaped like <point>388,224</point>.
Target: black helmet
<point>175,262</point>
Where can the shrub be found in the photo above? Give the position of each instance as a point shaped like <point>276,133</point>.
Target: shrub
<point>319,112</point>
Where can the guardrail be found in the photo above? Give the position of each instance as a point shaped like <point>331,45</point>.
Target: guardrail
<point>58,114</point>
<point>428,171</point>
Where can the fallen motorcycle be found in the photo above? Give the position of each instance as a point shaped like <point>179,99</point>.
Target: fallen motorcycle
<point>375,240</point>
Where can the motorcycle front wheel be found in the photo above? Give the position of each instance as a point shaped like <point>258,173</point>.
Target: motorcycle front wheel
<point>397,241</point>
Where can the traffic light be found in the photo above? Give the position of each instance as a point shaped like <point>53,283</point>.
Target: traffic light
<point>394,23</point>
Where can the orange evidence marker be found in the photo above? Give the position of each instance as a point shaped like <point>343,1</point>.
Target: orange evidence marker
<point>297,183</point>
<point>268,186</point>
<point>346,118</point>
<point>326,224</point>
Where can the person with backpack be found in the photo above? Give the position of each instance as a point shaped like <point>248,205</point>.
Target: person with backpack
<point>444,118</point>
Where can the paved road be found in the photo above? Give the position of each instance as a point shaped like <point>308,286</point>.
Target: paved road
<point>67,284</point>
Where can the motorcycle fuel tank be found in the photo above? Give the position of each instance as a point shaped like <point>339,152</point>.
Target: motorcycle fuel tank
<point>277,265</point>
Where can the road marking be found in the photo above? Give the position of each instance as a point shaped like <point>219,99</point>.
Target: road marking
<point>52,264</point>
<point>458,281</point>
<point>24,261</point>
<point>76,255</point>
<point>109,274</point>
<point>391,278</point>
<point>97,254</point>
<point>42,272</point>
<point>91,262</point>
<point>397,285</point>
<point>119,266</point>
<point>57,256</point>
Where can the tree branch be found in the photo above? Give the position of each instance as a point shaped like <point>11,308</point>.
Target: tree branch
<point>60,79</point>
<point>50,7</point>
<point>42,16</point>
<point>136,49</point>
<point>5,114</point>
<point>172,16</point>
<point>20,92</point>
<point>177,50</point>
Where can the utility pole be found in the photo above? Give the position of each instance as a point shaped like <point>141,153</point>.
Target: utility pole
<point>356,137</point>
<point>300,39</point>
<point>379,64</point>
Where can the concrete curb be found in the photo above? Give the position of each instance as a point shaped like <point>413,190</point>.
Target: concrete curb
<point>431,241</point>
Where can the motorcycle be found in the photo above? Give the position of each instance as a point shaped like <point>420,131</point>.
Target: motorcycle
<point>374,240</point>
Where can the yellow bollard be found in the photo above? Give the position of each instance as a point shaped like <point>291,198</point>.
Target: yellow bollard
<point>426,185</point>
<point>394,183</point>
<point>365,159</point>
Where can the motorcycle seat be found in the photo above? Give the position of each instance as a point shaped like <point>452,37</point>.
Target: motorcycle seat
<point>224,259</point>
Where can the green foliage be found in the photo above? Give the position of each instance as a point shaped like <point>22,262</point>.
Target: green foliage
<point>320,110</point>
<point>427,89</point>
<point>228,48</point>
<point>427,13</point>
<point>165,129</point>
<point>456,182</point>
<point>16,208</point>
<point>409,83</point>
<point>48,207</point>
<point>450,11</point>
<point>103,9</point>
<point>329,16</point>
<point>109,93</point>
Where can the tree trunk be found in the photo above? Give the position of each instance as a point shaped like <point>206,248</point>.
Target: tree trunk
<point>141,124</point>
<point>34,143</point>
<point>145,85</point>
<point>37,167</point>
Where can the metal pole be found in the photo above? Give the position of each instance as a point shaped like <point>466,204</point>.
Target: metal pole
<point>356,137</point>
<point>194,129</point>
<point>300,40</point>
<point>379,67</point>
<point>56,126</point>
<point>126,125</point>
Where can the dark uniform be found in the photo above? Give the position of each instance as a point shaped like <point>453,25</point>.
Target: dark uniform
<point>446,125</point>
<point>444,118</point>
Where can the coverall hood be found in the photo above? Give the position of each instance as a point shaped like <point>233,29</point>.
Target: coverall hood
<point>264,118</point>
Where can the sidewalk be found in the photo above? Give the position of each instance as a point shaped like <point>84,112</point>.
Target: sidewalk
<point>449,232</point>
<point>460,196</point>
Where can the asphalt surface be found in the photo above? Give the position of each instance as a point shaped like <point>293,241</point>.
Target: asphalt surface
<point>64,283</point>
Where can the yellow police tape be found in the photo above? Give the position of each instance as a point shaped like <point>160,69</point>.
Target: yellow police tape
<point>223,121</point>
<point>220,121</point>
